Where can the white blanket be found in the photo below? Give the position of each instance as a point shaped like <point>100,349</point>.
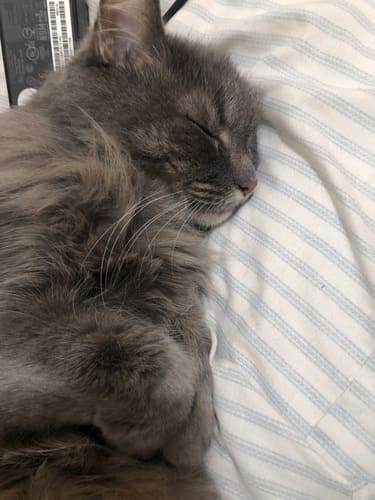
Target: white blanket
<point>292,310</point>
<point>293,304</point>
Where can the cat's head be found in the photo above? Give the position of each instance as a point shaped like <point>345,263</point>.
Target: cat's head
<point>187,115</point>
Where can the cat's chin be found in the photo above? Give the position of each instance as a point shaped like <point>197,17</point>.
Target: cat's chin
<point>209,221</point>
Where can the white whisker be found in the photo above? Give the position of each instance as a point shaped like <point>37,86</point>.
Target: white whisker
<point>195,209</point>
<point>137,234</point>
<point>184,205</point>
<point>136,209</point>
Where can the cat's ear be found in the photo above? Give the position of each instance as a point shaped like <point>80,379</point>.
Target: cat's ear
<point>127,30</point>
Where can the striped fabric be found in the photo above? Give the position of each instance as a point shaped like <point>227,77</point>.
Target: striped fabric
<point>292,310</point>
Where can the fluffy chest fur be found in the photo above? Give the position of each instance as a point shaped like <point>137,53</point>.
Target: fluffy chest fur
<point>91,229</point>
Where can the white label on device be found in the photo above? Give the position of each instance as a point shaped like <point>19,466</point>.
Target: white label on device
<point>60,28</point>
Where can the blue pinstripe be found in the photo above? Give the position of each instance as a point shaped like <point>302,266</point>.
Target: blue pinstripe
<point>325,156</point>
<point>339,455</point>
<point>338,139</point>
<point>271,425</point>
<point>305,169</point>
<point>367,398</point>
<point>315,88</point>
<point>270,487</point>
<point>335,63</point>
<point>356,388</point>
<point>279,403</point>
<point>321,212</point>
<point>353,426</point>
<point>283,12</point>
<point>341,4</point>
<point>315,278</point>
<point>283,462</point>
<point>309,392</point>
<point>325,249</point>
<point>338,413</point>
<point>305,308</point>
<point>325,26</point>
<point>258,364</point>
<point>357,15</point>
<point>347,306</point>
<point>328,368</point>
<point>314,433</point>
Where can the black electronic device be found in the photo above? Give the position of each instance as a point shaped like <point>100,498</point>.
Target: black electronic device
<point>38,36</point>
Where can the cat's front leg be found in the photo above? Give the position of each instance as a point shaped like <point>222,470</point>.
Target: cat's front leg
<point>142,420</point>
<point>97,366</point>
<point>188,447</point>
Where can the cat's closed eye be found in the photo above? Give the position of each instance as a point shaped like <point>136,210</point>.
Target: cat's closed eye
<point>203,128</point>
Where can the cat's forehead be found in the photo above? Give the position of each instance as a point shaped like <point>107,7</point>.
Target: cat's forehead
<point>198,101</point>
<point>210,84</point>
<point>210,80</point>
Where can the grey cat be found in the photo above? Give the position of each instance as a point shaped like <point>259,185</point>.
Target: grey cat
<point>109,179</point>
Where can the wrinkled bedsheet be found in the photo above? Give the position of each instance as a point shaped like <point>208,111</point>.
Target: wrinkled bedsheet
<point>292,310</point>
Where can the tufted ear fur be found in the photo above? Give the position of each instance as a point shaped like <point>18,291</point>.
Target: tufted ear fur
<point>127,30</point>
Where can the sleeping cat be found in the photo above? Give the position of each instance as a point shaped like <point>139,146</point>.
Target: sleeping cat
<point>109,179</point>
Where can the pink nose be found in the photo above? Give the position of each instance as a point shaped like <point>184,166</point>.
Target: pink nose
<point>248,187</point>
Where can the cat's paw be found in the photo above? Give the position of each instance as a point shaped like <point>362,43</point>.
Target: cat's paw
<point>142,421</point>
<point>188,448</point>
